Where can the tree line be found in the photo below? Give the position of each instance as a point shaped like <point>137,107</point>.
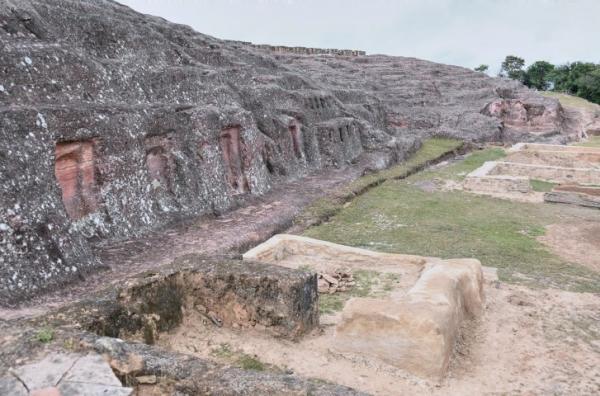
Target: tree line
<point>578,78</point>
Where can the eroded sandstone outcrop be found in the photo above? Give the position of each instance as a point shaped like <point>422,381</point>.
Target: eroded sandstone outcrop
<point>114,123</point>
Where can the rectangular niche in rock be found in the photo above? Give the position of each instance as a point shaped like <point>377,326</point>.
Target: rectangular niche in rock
<point>234,164</point>
<point>296,135</point>
<point>159,161</point>
<point>75,172</point>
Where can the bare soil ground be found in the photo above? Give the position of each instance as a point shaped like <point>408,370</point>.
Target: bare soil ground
<point>576,242</point>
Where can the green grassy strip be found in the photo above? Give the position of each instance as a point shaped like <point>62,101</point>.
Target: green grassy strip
<point>432,150</point>
<point>572,101</point>
<point>592,141</point>
<point>541,185</point>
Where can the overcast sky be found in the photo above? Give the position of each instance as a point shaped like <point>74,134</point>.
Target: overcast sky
<point>459,32</point>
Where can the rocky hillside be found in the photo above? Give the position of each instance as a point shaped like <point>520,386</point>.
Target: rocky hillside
<point>114,123</point>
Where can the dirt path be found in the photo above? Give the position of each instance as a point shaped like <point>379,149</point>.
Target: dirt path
<point>531,342</point>
<point>229,234</point>
<point>576,242</point>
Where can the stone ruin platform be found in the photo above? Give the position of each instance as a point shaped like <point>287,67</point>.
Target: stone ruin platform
<point>414,327</point>
<point>575,171</point>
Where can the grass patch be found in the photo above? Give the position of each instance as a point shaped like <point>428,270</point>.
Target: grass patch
<point>541,185</point>
<point>240,359</point>
<point>460,169</point>
<point>572,101</point>
<point>44,335</point>
<point>368,284</point>
<point>248,362</point>
<point>223,351</point>
<point>326,207</point>
<point>306,268</point>
<point>593,141</point>
<point>398,217</point>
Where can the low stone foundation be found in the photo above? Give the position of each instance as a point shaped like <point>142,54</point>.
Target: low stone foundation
<point>563,165</point>
<point>484,181</point>
<point>418,332</point>
<point>416,326</point>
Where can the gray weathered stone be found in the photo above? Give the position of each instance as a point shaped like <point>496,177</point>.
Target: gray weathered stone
<point>69,374</point>
<point>194,376</point>
<point>92,369</point>
<point>573,198</point>
<point>47,372</point>
<point>68,388</point>
<point>9,385</point>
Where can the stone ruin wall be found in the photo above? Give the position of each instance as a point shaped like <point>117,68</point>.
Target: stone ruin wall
<point>301,50</point>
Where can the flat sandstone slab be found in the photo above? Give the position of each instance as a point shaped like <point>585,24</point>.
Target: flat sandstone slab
<point>414,330</point>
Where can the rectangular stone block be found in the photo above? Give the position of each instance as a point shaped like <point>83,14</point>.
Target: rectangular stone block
<point>416,333</point>
<point>251,293</point>
<point>414,330</point>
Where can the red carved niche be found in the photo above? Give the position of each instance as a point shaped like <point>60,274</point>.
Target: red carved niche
<point>159,162</point>
<point>229,141</point>
<point>296,135</point>
<point>74,170</point>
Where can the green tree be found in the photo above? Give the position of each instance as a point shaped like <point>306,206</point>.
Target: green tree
<point>559,77</point>
<point>482,68</point>
<point>537,75</point>
<point>512,67</point>
<point>588,85</point>
<point>567,78</point>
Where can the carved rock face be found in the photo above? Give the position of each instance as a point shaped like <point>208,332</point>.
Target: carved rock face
<point>529,116</point>
<point>131,123</point>
<point>158,165</point>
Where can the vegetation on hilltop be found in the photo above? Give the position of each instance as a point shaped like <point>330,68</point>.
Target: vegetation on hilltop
<point>577,78</point>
